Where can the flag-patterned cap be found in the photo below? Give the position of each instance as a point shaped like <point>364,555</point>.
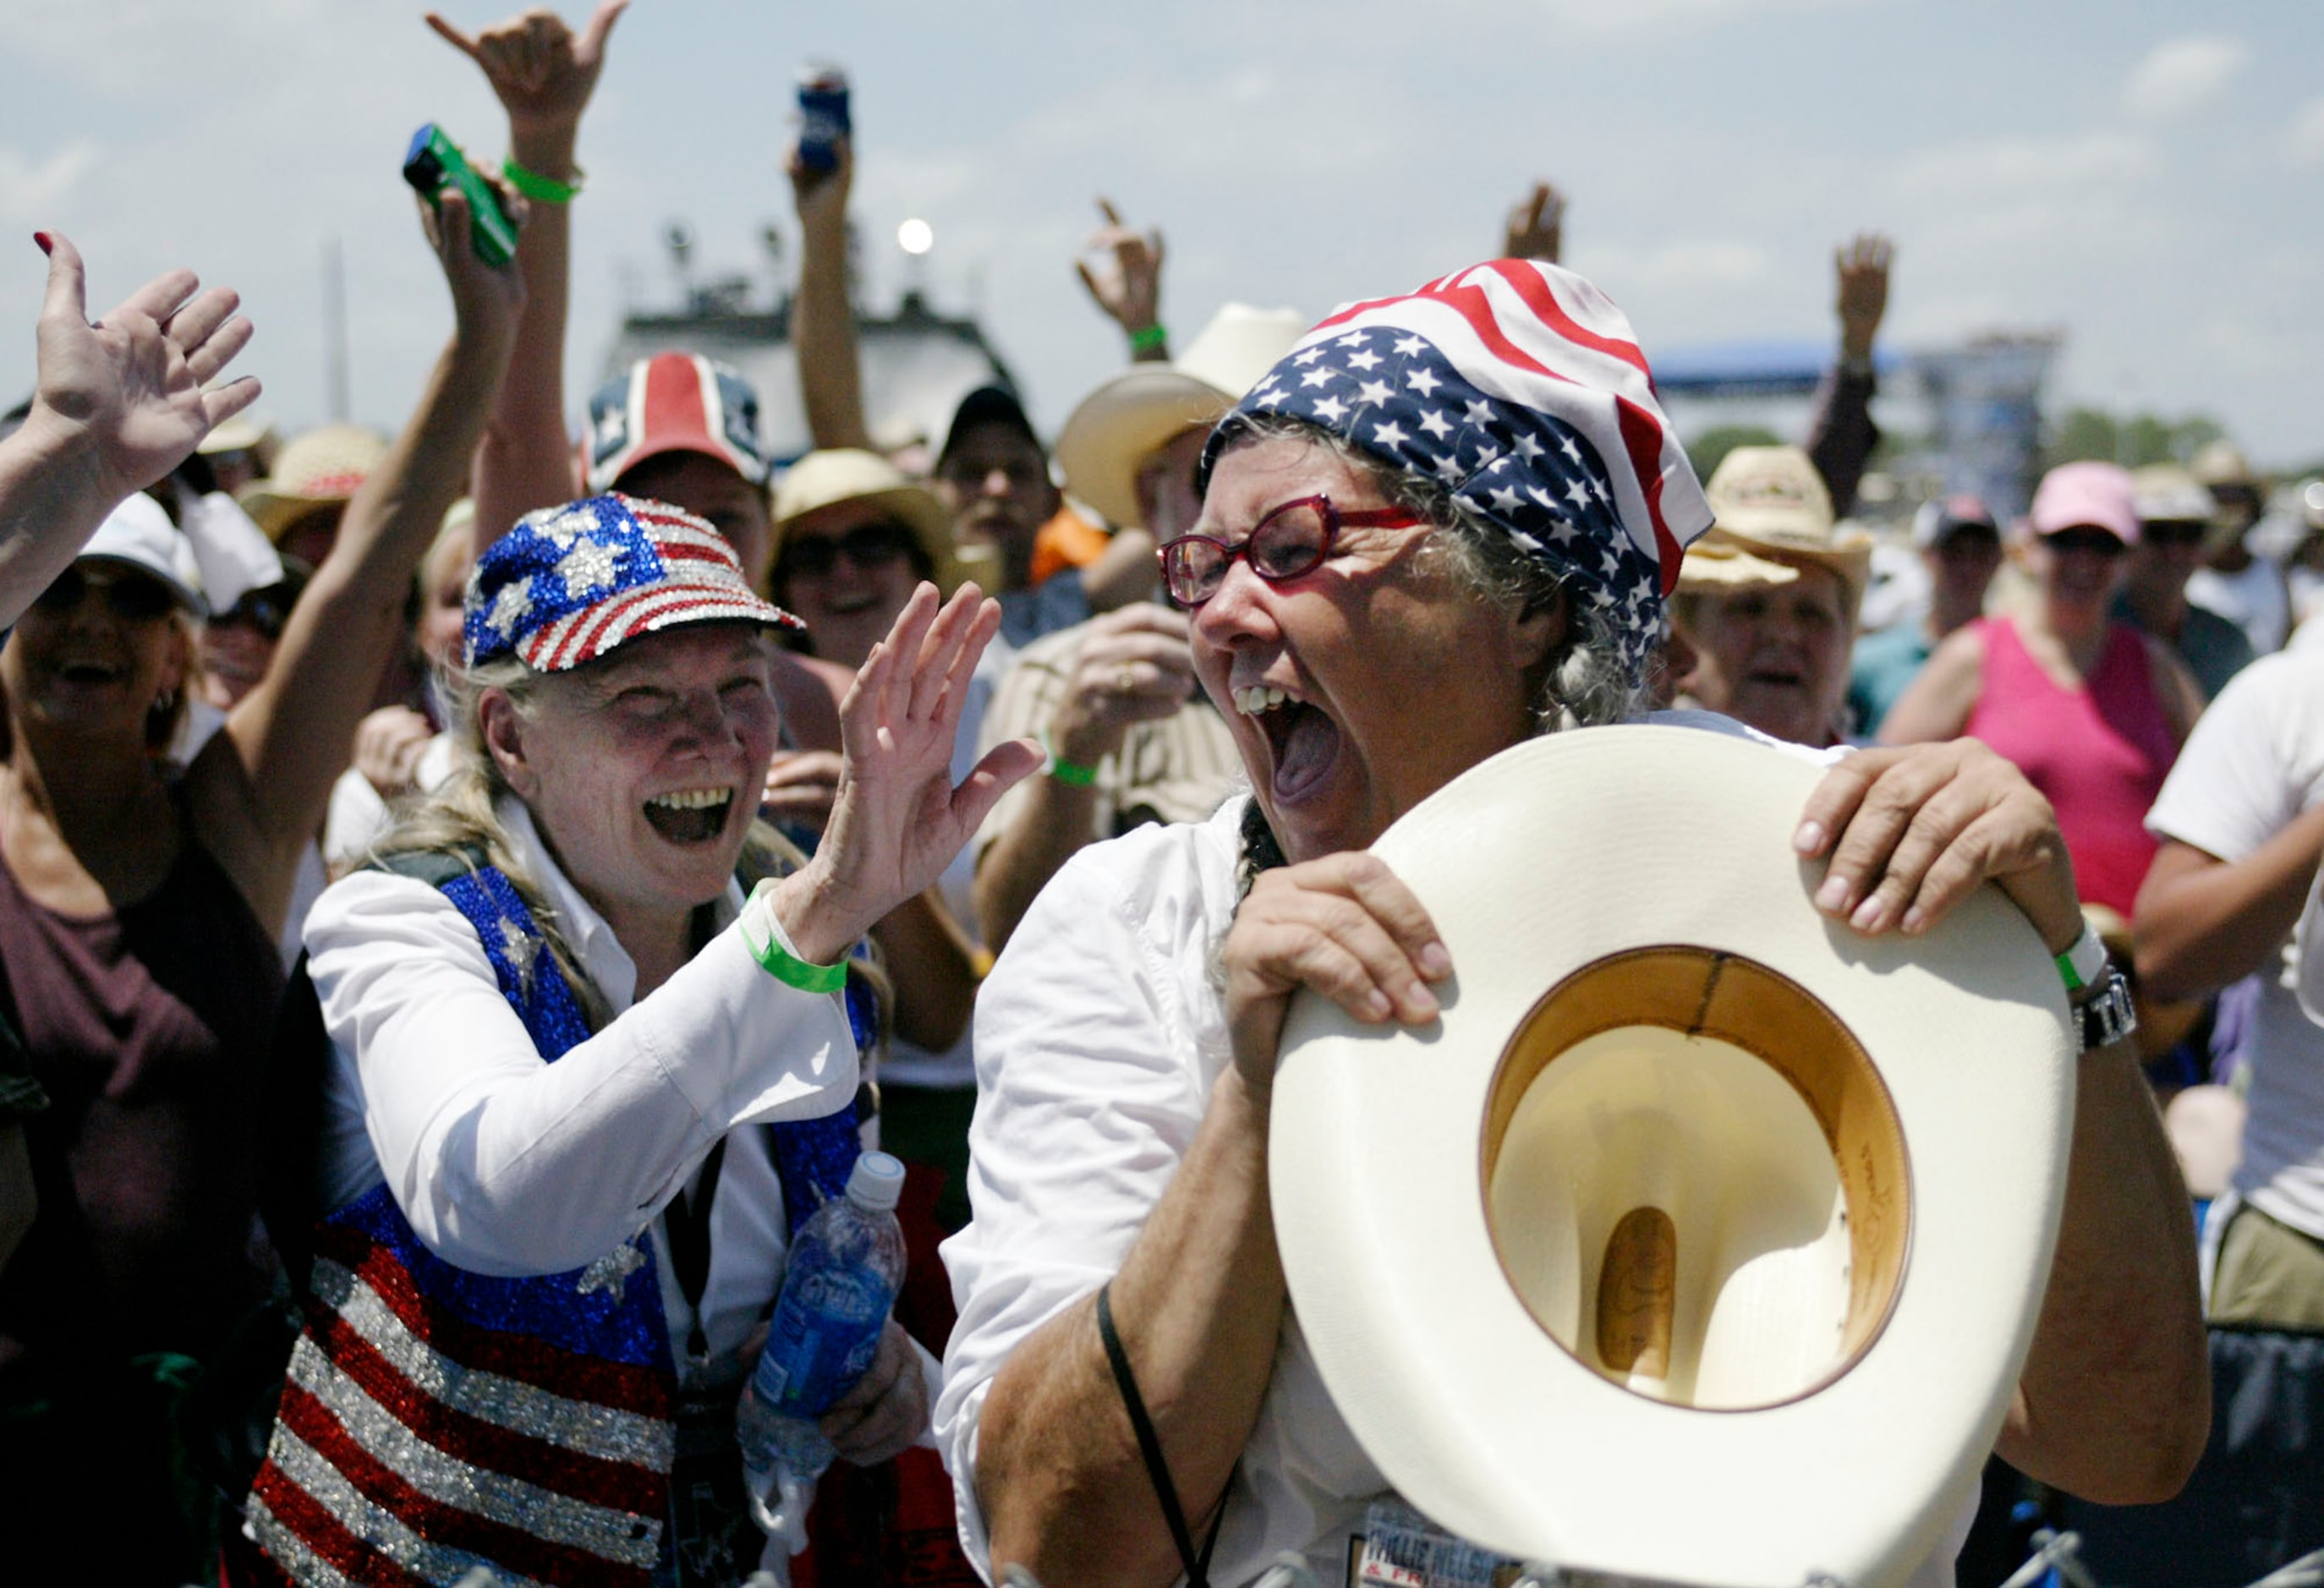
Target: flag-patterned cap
<point>570,584</point>
<point>1518,387</point>
<point>674,402</point>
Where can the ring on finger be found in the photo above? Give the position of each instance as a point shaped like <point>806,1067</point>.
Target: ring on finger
<point>1125,681</point>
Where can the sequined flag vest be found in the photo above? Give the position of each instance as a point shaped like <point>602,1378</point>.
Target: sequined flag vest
<point>434,1420</point>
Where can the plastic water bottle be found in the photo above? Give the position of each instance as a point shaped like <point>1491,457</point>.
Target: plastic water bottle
<point>845,1265</point>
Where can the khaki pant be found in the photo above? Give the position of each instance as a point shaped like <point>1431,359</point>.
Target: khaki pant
<point>2270,1276</point>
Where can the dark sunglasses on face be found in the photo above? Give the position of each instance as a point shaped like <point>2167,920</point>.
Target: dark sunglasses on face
<point>265,611</point>
<point>133,597</point>
<point>865,546</point>
<point>1289,541</point>
<point>2171,532</point>
<point>2097,542</point>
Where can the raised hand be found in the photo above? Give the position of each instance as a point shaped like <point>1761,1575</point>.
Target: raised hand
<point>1344,925</point>
<point>1130,290</point>
<point>1537,228</point>
<point>1912,831</point>
<point>130,387</point>
<point>1861,267</point>
<point>820,195</point>
<point>541,73</point>
<point>487,301</point>
<point>897,820</point>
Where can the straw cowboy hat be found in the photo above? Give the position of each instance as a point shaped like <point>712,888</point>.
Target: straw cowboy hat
<point>1701,1239</point>
<point>1771,516</point>
<point>833,474</point>
<point>320,468</point>
<point>1115,427</point>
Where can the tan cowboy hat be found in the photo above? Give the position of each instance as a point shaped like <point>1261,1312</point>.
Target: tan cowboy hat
<point>1700,1240</point>
<point>832,474</point>
<point>320,468</point>
<point>1113,429</point>
<point>1771,511</point>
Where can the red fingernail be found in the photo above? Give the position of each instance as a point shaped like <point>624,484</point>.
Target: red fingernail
<point>48,244</point>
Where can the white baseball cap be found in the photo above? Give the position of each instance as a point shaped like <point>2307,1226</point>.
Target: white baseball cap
<point>139,533</point>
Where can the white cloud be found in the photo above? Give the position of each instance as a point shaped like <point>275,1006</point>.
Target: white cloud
<point>2180,76</point>
<point>2304,141</point>
<point>30,186</point>
<point>1984,169</point>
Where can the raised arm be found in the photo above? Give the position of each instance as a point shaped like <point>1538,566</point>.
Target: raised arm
<point>1536,226</point>
<point>119,404</point>
<point>822,319</point>
<point>543,76</point>
<point>1130,291</point>
<point>262,785</point>
<point>2114,1404</point>
<point>1842,435</point>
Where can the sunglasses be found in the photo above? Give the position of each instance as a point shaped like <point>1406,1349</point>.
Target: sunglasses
<point>865,546</point>
<point>133,597</point>
<point>265,611</point>
<point>1287,542</point>
<point>2175,532</point>
<point>2097,542</point>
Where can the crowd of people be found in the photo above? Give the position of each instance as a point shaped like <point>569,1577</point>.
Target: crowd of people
<point>467,896</point>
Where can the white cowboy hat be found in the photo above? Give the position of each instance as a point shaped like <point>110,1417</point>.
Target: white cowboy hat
<point>1701,1239</point>
<point>1114,429</point>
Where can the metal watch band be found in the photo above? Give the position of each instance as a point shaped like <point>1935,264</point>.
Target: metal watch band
<point>2108,1018</point>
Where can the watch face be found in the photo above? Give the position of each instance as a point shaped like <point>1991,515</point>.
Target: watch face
<point>2108,1018</point>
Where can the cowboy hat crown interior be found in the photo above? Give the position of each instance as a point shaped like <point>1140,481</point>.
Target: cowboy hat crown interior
<point>1701,1239</point>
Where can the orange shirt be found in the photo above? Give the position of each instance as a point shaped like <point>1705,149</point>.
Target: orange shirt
<point>1066,540</point>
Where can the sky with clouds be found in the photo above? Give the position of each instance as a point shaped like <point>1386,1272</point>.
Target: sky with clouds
<point>2148,178</point>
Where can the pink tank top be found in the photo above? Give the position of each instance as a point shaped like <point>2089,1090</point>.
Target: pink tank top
<point>2099,753</point>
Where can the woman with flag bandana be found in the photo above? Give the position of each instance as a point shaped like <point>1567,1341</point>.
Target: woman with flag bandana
<point>1443,524</point>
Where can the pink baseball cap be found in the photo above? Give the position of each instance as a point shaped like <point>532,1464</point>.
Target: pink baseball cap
<point>2097,496</point>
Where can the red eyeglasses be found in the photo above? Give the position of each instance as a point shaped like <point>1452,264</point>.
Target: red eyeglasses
<point>1287,542</point>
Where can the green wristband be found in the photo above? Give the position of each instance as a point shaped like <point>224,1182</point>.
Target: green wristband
<point>794,972</point>
<point>1148,339</point>
<point>758,937</point>
<point>1065,771</point>
<point>539,188</point>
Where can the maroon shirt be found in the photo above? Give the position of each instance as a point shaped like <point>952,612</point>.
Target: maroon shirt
<point>149,1029</point>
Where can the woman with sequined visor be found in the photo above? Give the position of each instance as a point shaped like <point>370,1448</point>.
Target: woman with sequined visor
<point>581,1085</point>
<point>1442,524</point>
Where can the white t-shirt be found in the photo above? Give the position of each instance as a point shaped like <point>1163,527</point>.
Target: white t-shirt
<point>2256,762</point>
<point>1099,1036</point>
<point>2254,600</point>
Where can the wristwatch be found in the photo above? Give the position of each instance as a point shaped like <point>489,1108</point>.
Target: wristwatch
<point>2108,1018</point>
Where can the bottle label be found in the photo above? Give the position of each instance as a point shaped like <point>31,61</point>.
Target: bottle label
<point>824,1334</point>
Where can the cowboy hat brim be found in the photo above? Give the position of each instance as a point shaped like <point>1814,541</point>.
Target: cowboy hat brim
<point>1645,999</point>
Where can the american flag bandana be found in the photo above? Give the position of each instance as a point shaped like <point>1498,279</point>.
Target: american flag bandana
<point>1517,386</point>
<point>568,584</point>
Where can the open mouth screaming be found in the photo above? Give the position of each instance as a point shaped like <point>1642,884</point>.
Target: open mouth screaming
<point>1304,740</point>
<point>690,816</point>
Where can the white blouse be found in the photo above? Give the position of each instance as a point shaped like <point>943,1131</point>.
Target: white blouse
<point>1099,1036</point>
